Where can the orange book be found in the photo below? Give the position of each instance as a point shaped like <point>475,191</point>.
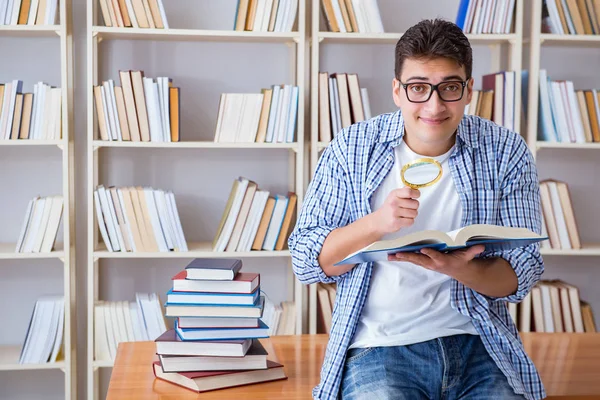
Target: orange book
<point>174,110</point>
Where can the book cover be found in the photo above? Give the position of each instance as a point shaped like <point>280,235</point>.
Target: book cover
<point>492,236</point>
<point>213,268</point>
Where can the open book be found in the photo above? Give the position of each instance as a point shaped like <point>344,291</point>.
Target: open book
<point>494,237</point>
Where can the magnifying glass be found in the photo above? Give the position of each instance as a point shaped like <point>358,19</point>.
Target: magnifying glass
<point>421,172</point>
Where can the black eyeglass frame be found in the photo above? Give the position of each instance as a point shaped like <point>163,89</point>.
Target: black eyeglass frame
<point>434,88</point>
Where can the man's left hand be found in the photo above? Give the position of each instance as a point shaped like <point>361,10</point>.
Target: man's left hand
<point>453,263</point>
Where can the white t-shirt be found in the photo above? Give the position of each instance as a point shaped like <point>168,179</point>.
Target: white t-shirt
<point>407,303</point>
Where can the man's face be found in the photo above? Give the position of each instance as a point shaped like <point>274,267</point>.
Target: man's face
<point>433,123</point>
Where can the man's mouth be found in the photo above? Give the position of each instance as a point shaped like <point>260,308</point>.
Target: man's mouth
<point>433,121</point>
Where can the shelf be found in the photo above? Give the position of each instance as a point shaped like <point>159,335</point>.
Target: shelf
<point>559,145</point>
<point>7,252</point>
<point>586,250</point>
<point>561,40</point>
<point>30,30</point>
<point>392,38</point>
<point>104,32</point>
<point>9,360</point>
<point>195,145</point>
<point>196,250</point>
<point>32,142</point>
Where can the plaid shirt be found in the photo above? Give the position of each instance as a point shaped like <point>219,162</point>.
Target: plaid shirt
<point>496,179</point>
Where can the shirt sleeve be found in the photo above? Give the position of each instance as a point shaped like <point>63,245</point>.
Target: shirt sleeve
<point>520,206</point>
<point>325,208</point>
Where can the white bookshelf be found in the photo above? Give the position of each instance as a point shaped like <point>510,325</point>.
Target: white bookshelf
<point>64,249</point>
<point>506,54</point>
<point>296,43</point>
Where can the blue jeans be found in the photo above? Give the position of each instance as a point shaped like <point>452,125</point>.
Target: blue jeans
<point>447,368</point>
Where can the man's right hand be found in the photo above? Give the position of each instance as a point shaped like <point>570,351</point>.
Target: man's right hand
<point>398,211</point>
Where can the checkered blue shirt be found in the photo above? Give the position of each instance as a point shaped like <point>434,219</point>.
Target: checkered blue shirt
<point>496,179</point>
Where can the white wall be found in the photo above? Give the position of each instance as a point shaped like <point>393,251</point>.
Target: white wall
<point>201,178</point>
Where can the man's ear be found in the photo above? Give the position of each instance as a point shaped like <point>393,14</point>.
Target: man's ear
<point>470,89</point>
<point>396,94</point>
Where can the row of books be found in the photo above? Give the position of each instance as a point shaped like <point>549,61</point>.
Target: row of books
<point>342,102</point>
<point>270,116</point>
<point>564,17</point>
<point>553,306</point>
<point>134,13</point>
<point>34,115</point>
<point>325,301</point>
<point>44,339</point>
<point>141,109</point>
<point>138,219</point>
<point>568,115</point>
<point>255,220</point>
<point>217,311</point>
<point>559,223</point>
<point>40,226</point>
<point>486,16</point>
<point>28,12</point>
<point>280,318</point>
<point>496,100</point>
<point>123,321</point>
<point>360,16</point>
<point>265,15</point>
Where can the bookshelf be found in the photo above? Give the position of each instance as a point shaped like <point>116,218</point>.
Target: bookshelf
<point>105,45</point>
<point>504,53</point>
<point>27,150</point>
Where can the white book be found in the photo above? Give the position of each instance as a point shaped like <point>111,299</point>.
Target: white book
<point>336,102</point>
<point>131,13</point>
<point>148,315</point>
<point>250,118</point>
<point>115,307</point>
<point>8,12</point>
<point>34,109</point>
<point>35,225</point>
<point>292,115</point>
<point>33,10</point>
<point>220,114</point>
<point>112,193</point>
<point>509,16</point>
<point>41,231</point>
<point>16,87</point>
<point>163,216</point>
<point>259,15</point>
<point>280,16</point>
<point>273,114</point>
<point>172,205</point>
<point>509,100</point>
<point>15,12</point>
<point>337,12</point>
<point>547,129</point>
<point>151,105</point>
<point>60,304</point>
<point>154,220</point>
<point>3,7</point>
<point>166,109</point>
<point>266,17</point>
<point>231,117</point>
<point>575,113</point>
<point>373,16</point>
<point>128,222</point>
<point>292,16</point>
<point>364,94</point>
<point>558,113</point>
<point>138,333</point>
<point>570,24</point>
<point>101,352</point>
<point>113,105</point>
<point>113,218</point>
<point>559,214</point>
<point>361,17</point>
<point>280,127</point>
<point>158,313</point>
<point>163,14</point>
<point>51,8</point>
<point>275,223</point>
<point>40,126</point>
<point>27,347</point>
<point>101,222</point>
<point>111,330</point>
<point>26,222</point>
<point>233,214</point>
<point>251,227</point>
<point>110,219</point>
<point>53,224</point>
<point>107,112</point>
<point>334,122</point>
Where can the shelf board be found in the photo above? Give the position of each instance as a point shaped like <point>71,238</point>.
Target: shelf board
<point>579,40</point>
<point>196,250</point>
<point>103,363</point>
<point>9,360</point>
<point>193,35</point>
<point>32,142</point>
<point>559,145</point>
<point>586,250</point>
<point>30,30</point>
<point>7,252</point>
<point>195,145</point>
<point>392,38</point>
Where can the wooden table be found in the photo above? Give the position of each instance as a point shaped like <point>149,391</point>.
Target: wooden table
<point>569,365</point>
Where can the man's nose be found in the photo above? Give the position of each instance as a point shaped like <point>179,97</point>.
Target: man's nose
<point>436,103</point>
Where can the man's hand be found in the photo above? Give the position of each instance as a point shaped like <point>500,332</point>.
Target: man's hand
<point>398,211</point>
<point>456,264</point>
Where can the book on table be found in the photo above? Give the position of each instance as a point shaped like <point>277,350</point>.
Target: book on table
<point>493,237</point>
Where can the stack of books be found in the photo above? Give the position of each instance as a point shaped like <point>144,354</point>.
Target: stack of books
<point>214,343</point>
<point>40,226</point>
<point>361,16</point>
<point>134,13</point>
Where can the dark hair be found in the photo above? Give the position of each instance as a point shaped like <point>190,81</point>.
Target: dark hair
<point>434,39</point>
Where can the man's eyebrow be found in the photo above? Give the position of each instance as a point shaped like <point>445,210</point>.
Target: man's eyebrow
<point>446,78</point>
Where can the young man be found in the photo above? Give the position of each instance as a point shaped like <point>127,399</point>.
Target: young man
<point>429,325</point>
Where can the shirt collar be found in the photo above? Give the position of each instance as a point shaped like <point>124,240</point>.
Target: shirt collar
<point>393,131</point>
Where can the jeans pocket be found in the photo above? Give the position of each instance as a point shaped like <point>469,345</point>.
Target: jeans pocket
<point>357,353</point>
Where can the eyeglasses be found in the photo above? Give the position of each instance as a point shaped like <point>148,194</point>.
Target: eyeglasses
<point>420,92</point>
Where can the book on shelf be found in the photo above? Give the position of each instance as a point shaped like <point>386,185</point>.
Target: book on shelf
<point>255,220</point>
<point>44,338</point>
<point>571,17</point>
<point>34,115</point>
<point>360,16</point>
<point>29,12</point>
<point>558,216</point>
<point>342,102</point>
<point>487,16</point>
<point>124,321</point>
<point>325,302</point>
<point>214,337</point>
<point>142,109</point>
<point>138,219</point>
<point>552,306</point>
<point>568,115</point>
<point>41,224</point>
<point>493,237</point>
<point>265,15</point>
<point>134,14</point>
<point>267,117</point>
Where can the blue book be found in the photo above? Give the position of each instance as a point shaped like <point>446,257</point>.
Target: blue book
<point>243,299</point>
<point>494,238</point>
<point>220,269</point>
<point>186,334</point>
<point>461,15</point>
